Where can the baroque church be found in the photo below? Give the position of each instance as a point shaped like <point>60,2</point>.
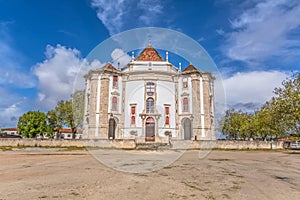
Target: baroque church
<point>149,100</point>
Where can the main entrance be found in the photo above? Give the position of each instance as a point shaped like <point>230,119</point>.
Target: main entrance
<point>150,129</point>
<point>187,128</point>
<point>111,128</point>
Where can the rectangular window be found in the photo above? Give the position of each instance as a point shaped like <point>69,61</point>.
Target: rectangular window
<point>114,105</point>
<point>132,120</point>
<point>132,114</point>
<point>132,110</point>
<point>185,83</point>
<point>115,81</point>
<point>167,115</point>
<point>185,105</point>
<point>167,110</point>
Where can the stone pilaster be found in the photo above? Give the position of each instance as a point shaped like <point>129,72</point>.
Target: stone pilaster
<point>196,112</point>
<point>103,112</point>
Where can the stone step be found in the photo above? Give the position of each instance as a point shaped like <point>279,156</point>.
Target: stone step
<point>152,146</point>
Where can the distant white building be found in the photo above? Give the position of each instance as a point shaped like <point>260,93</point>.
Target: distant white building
<point>149,100</point>
<point>67,134</point>
<point>10,131</point>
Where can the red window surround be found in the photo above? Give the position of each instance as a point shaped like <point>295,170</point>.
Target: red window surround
<point>132,119</point>
<point>133,110</point>
<point>115,81</point>
<point>167,122</point>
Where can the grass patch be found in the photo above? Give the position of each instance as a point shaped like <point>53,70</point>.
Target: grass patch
<point>5,148</point>
<point>71,148</point>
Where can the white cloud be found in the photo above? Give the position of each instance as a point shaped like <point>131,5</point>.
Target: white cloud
<point>252,87</point>
<point>56,74</point>
<point>13,75</point>
<point>150,9</point>
<point>12,106</point>
<point>16,78</point>
<point>110,13</point>
<point>220,31</point>
<point>119,56</point>
<point>264,30</point>
<point>62,72</point>
<point>119,15</point>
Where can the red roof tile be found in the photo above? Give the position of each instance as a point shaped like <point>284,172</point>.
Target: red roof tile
<point>10,129</point>
<point>68,130</point>
<point>190,68</point>
<point>149,54</point>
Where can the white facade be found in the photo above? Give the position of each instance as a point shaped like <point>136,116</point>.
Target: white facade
<point>149,100</point>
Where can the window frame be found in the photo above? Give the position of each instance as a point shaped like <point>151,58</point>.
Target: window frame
<point>114,104</point>
<point>115,81</point>
<point>150,105</point>
<point>185,104</point>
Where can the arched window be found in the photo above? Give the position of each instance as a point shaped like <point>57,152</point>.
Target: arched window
<point>150,105</point>
<point>185,104</point>
<point>150,88</point>
<point>114,105</point>
<point>132,120</point>
<point>167,121</point>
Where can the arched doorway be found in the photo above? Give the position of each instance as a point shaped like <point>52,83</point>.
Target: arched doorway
<point>150,129</point>
<point>111,128</point>
<point>187,128</point>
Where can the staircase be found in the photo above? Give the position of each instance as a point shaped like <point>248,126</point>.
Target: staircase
<point>152,146</point>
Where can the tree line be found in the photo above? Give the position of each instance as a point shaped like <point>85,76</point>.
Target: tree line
<point>67,113</point>
<point>278,117</point>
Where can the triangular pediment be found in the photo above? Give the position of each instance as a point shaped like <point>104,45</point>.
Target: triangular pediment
<point>109,66</point>
<point>190,68</point>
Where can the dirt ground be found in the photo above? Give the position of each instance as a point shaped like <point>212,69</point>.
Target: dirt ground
<point>54,174</point>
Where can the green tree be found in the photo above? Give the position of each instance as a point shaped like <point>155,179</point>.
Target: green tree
<point>68,113</point>
<point>236,125</point>
<point>78,108</point>
<point>278,117</point>
<point>231,124</point>
<point>55,123</point>
<point>245,129</point>
<point>32,124</point>
<point>287,104</point>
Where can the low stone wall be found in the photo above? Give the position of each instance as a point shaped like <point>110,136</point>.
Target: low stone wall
<point>40,143</point>
<point>232,144</point>
<point>122,144</point>
<point>119,144</point>
<point>131,144</point>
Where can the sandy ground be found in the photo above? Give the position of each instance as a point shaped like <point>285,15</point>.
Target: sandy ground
<point>53,174</point>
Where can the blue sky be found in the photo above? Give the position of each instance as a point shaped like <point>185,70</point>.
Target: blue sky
<point>255,44</point>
